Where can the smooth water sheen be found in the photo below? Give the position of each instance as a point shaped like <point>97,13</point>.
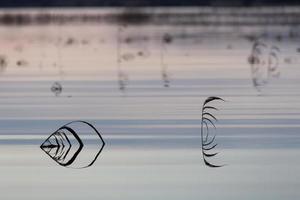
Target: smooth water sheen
<point>152,132</point>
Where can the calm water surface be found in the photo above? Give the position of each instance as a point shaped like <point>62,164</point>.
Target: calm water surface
<point>152,132</point>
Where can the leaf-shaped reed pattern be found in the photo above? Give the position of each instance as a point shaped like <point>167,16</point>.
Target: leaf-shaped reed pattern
<point>68,149</point>
<point>58,146</point>
<point>207,140</point>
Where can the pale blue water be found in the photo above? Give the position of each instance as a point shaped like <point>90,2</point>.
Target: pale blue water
<point>152,133</point>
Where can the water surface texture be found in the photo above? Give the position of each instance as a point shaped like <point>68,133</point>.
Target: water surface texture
<point>142,84</point>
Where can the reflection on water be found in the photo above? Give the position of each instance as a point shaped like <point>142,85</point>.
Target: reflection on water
<point>264,61</point>
<point>152,134</point>
<point>166,39</point>
<point>56,88</point>
<point>3,63</point>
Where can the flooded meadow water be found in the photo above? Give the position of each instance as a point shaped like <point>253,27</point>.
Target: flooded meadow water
<point>142,86</point>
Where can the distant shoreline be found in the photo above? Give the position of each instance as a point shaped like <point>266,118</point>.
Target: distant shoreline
<point>141,3</point>
<point>205,16</point>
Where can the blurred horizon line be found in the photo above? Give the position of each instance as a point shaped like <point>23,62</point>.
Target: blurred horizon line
<point>206,16</point>
<point>142,3</point>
